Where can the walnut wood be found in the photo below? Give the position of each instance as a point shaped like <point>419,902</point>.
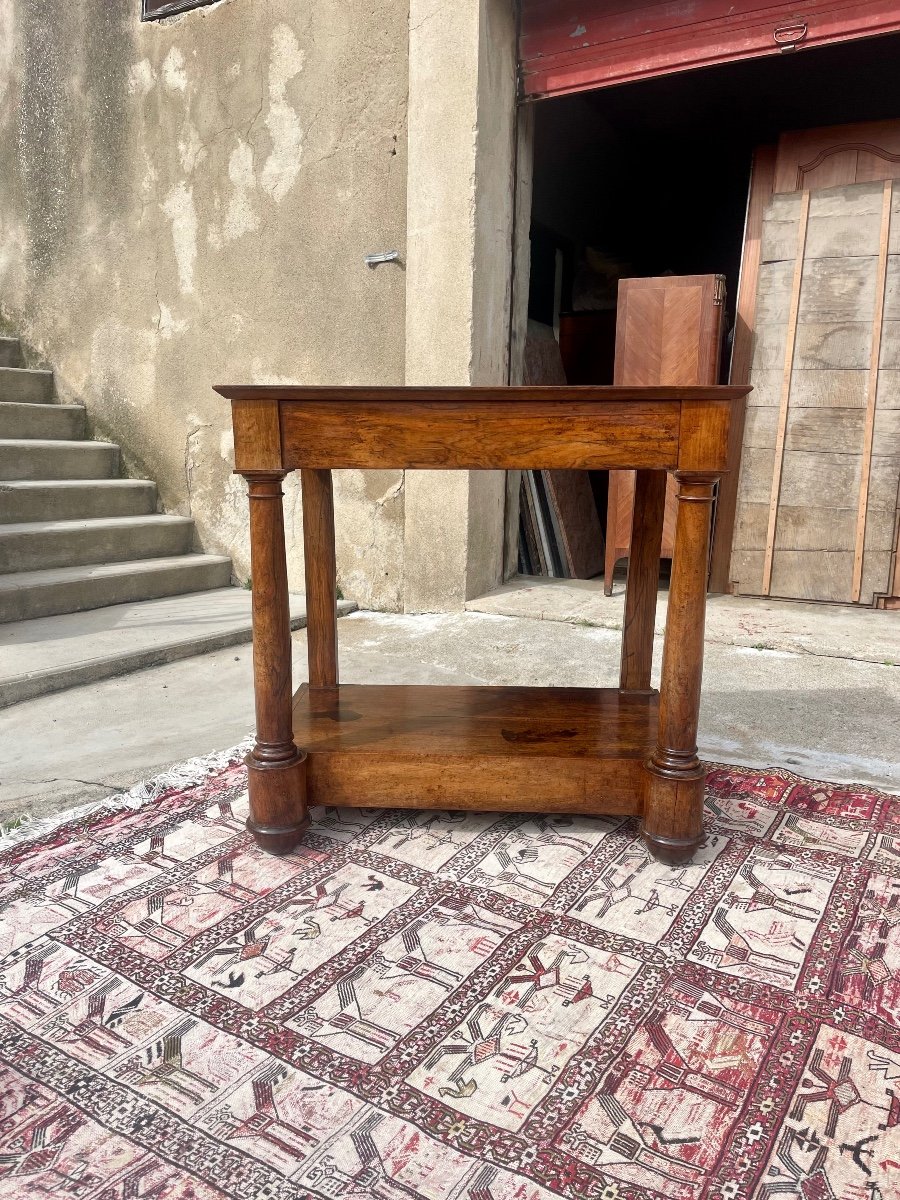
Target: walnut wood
<point>550,749</point>
<point>277,769</point>
<point>321,592</point>
<point>673,805</point>
<point>257,434</point>
<point>497,434</point>
<point>643,580</point>
<point>265,393</point>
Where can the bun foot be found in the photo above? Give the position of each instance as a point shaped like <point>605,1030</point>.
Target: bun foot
<point>674,852</point>
<point>278,817</point>
<point>278,839</point>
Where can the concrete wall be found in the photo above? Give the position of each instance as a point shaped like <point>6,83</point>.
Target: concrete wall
<point>460,217</point>
<point>188,202</point>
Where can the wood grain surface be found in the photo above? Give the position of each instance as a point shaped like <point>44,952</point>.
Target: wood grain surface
<point>479,435</point>
<point>547,749</point>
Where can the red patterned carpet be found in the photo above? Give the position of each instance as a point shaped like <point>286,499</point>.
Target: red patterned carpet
<point>454,1007</point>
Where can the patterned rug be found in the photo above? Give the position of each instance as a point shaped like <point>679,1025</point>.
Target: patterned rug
<point>451,1006</point>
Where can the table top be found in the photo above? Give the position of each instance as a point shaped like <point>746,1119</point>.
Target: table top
<point>479,395</point>
<point>282,427</point>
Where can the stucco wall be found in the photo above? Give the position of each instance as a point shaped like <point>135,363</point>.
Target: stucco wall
<point>188,202</point>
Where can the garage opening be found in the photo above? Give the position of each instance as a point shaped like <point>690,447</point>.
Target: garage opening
<point>652,179</point>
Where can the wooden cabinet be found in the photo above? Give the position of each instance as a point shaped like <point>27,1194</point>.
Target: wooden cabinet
<point>668,331</point>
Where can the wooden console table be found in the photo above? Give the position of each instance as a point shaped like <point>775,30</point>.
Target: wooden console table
<point>606,751</point>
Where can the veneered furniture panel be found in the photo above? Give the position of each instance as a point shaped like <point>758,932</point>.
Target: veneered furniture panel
<point>668,331</point>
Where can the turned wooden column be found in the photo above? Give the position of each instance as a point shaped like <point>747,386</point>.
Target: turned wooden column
<point>321,587</point>
<point>277,769</point>
<point>673,803</point>
<point>643,580</point>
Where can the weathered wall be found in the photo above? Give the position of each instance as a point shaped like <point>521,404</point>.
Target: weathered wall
<point>188,202</point>
<point>460,216</point>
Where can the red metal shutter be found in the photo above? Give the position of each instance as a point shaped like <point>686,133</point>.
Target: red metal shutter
<point>576,45</point>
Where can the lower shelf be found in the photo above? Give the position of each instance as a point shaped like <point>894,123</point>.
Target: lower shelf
<point>526,749</point>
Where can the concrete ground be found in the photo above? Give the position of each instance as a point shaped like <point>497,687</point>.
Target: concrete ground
<point>51,654</point>
<point>820,711</point>
<point>828,630</point>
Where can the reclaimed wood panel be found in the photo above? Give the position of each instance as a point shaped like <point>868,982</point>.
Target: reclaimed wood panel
<point>791,319</point>
<point>812,389</point>
<point>888,387</point>
<point>890,346</point>
<point>823,429</point>
<point>820,430</point>
<point>803,528</point>
<point>872,389</point>
<point>815,575</point>
<point>760,428</point>
<point>838,290</point>
<point>841,346</point>
<point>844,226</point>
<point>755,484</point>
<point>778,234</point>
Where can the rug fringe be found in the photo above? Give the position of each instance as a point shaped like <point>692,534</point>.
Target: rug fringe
<point>180,775</point>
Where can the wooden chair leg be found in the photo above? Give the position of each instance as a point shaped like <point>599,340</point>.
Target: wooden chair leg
<point>643,581</point>
<point>673,803</point>
<point>321,591</point>
<point>277,769</point>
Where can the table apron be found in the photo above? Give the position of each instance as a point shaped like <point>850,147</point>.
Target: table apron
<point>479,436</point>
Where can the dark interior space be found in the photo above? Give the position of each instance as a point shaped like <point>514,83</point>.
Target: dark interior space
<point>652,178</point>
<point>655,174</point>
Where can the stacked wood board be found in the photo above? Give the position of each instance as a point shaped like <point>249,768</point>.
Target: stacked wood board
<point>818,493</point>
<point>560,534</point>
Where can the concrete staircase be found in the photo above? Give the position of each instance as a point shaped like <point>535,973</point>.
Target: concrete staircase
<point>74,536</point>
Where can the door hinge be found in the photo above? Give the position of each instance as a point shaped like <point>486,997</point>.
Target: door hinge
<point>720,292</point>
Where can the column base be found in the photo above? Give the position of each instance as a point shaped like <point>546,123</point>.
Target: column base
<point>278,817</point>
<point>672,827</point>
<point>674,852</point>
<point>280,840</point>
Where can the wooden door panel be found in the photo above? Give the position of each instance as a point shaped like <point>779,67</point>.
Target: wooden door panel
<point>837,155</point>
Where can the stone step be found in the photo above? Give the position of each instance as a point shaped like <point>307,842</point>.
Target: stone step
<point>54,421</point>
<point>74,499</point>
<point>22,458</point>
<point>54,653</point>
<point>22,385</point>
<point>27,595</point>
<point>41,545</point>
<point>10,352</point>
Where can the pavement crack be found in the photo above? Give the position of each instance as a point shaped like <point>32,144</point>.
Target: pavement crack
<point>104,783</point>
